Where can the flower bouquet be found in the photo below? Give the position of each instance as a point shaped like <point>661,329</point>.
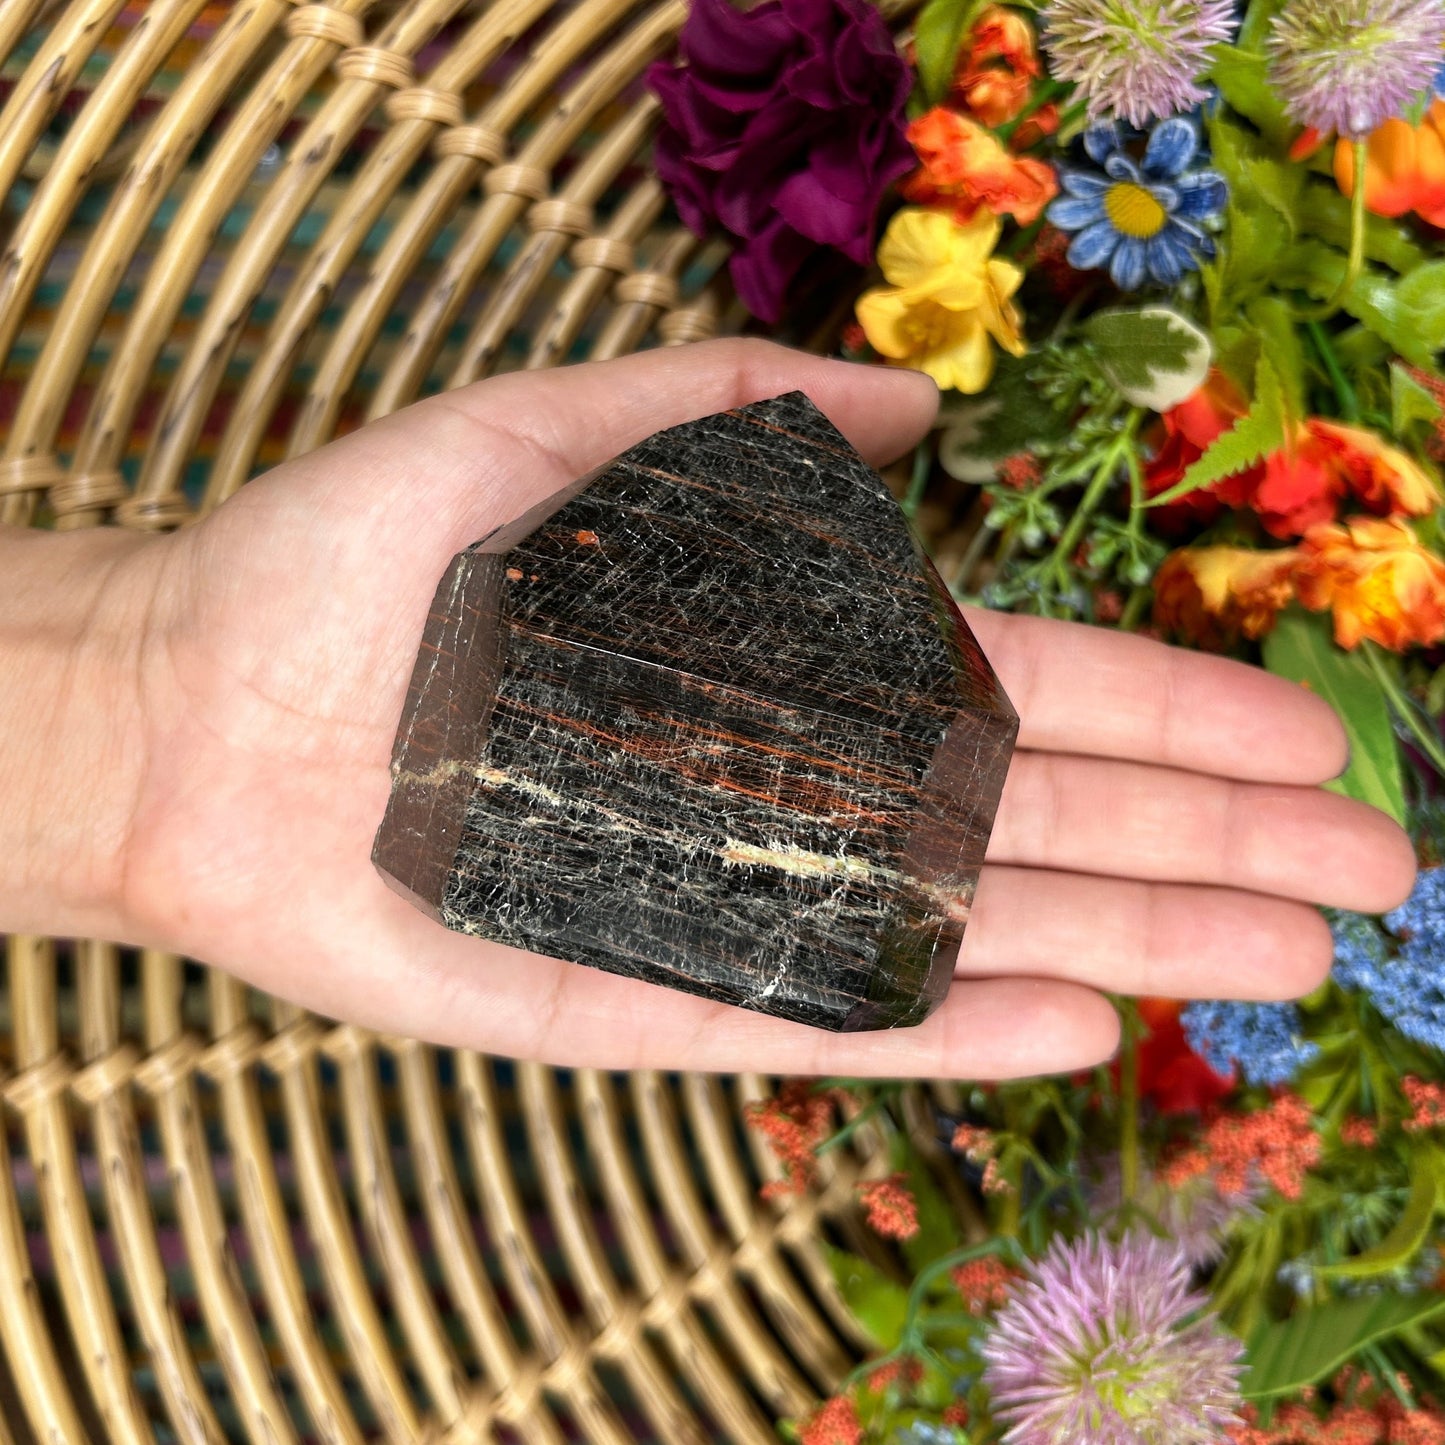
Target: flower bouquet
<point>1179,270</point>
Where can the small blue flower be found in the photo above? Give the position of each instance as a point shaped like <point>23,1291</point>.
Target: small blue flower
<point>1262,1039</point>
<point>1405,983</point>
<point>1143,219</point>
<point>1360,951</point>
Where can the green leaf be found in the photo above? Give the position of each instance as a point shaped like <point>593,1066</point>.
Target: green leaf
<point>1273,322</point>
<point>1153,357</point>
<point>938,1232</point>
<point>1403,1241</point>
<point>1260,431</point>
<point>1324,213</point>
<point>1422,296</point>
<point>937,35</point>
<point>1301,648</point>
<point>1410,402</point>
<point>1313,1343</point>
<point>878,1303</point>
<point>1243,80</point>
<point>1256,178</point>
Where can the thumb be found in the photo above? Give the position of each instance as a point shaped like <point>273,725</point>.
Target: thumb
<point>458,464</point>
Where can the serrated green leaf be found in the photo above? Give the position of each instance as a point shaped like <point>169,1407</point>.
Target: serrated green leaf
<point>1301,648</point>
<point>1404,1240</point>
<point>937,35</point>
<point>878,1303</point>
<point>1256,434</point>
<point>1152,356</point>
<point>1324,213</point>
<point>1313,1343</point>
<point>1273,322</point>
<point>1256,178</point>
<point>1410,402</point>
<point>1243,79</point>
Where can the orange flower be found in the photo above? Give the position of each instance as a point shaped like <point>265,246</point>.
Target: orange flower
<point>966,167</point>
<point>892,1210</point>
<point>1212,594</point>
<point>1378,581</point>
<point>1386,480</point>
<point>1404,167</point>
<point>835,1422</point>
<point>998,70</point>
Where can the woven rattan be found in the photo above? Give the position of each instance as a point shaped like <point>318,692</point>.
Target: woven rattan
<point>231,230</point>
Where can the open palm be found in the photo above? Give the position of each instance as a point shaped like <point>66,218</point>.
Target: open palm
<point>1161,830</point>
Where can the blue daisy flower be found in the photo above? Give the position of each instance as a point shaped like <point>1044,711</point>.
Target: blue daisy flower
<point>1143,219</point>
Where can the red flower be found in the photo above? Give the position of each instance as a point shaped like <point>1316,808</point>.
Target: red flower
<point>1171,1074</point>
<point>964,166</point>
<point>983,1283</point>
<point>1188,431</point>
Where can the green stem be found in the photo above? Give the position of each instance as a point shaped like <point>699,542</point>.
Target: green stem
<point>1405,708</point>
<point>918,482</point>
<point>1101,481</point>
<point>1129,1107</point>
<point>1356,260</point>
<point>1349,401</point>
<point>1134,609</point>
<point>869,1111</point>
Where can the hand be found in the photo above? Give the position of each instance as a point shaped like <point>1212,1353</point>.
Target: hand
<point>1161,830</point>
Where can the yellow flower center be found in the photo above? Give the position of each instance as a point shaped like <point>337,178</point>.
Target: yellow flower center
<point>1134,211</point>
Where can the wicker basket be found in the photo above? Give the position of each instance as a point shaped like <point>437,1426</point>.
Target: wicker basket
<point>231,230</point>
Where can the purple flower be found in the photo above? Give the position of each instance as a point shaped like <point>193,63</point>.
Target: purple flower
<point>782,125</point>
<point>1136,60</point>
<point>1104,1344</point>
<point>1350,65</point>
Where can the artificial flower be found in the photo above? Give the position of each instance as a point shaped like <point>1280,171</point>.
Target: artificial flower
<point>1185,433</point>
<point>1213,594</point>
<point>1136,60</point>
<point>998,68</point>
<point>784,126</point>
<point>1350,65</point>
<point>1404,167</point>
<point>1191,1212</point>
<point>794,1122</point>
<point>1104,1343</point>
<point>966,167</point>
<point>1277,1145</point>
<point>1143,219</point>
<point>1170,1074</point>
<point>892,1209</point>
<point>1382,477</point>
<point>834,1422</point>
<point>948,299</point>
<point>1262,1040</point>
<point>1406,983</point>
<point>1376,579</point>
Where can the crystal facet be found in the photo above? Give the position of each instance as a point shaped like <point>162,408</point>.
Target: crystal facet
<point>707,718</point>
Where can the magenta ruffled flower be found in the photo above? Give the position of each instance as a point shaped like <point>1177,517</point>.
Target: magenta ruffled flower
<point>783,125</point>
<point>1104,1344</point>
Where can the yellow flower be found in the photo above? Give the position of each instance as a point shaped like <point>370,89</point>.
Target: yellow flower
<point>948,296</point>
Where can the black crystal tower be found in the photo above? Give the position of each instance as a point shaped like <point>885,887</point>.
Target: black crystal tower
<point>709,719</point>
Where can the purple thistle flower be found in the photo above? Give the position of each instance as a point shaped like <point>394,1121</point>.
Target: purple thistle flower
<point>1193,1214</point>
<point>1136,60</point>
<point>1350,65</point>
<point>1103,1344</point>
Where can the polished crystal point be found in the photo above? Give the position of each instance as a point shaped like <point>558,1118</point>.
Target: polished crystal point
<point>710,719</point>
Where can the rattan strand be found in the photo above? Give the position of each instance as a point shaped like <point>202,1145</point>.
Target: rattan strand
<point>252,232</point>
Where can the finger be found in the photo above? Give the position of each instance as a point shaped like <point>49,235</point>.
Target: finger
<point>1172,940</point>
<point>490,451</point>
<point>1088,815</point>
<point>1083,689</point>
<point>497,999</point>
